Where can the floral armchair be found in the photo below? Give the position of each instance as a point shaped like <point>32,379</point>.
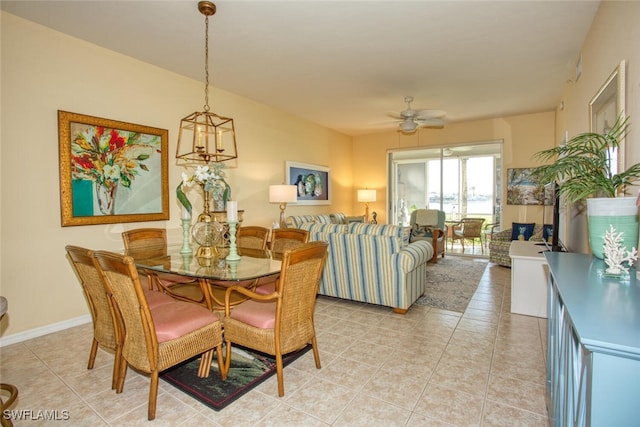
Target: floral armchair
<point>501,241</point>
<point>428,224</point>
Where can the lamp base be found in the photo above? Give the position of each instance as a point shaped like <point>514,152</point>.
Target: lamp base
<point>283,221</point>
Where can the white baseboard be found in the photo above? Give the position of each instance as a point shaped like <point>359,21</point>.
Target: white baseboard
<point>44,330</point>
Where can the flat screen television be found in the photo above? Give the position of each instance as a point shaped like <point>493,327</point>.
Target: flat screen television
<point>551,218</point>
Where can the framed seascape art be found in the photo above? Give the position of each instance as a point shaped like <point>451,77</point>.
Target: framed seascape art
<point>313,182</point>
<point>525,189</point>
<point>111,171</point>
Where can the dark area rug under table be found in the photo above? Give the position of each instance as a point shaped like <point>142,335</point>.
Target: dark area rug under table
<point>248,369</point>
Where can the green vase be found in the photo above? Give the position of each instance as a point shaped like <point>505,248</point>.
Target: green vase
<point>619,212</point>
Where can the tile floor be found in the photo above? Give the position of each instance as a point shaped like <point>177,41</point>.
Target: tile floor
<point>485,367</point>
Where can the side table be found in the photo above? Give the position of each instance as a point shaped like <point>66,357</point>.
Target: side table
<point>529,274</point>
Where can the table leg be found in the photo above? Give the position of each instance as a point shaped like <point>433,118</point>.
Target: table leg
<point>206,291</point>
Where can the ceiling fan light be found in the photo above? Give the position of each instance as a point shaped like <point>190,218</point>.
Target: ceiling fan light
<point>408,126</point>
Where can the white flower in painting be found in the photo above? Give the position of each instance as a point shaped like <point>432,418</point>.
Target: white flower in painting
<point>112,172</point>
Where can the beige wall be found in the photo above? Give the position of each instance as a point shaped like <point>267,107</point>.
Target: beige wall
<point>44,71</point>
<point>522,137</point>
<point>614,36</point>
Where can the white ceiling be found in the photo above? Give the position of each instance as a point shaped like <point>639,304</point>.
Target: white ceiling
<point>346,64</point>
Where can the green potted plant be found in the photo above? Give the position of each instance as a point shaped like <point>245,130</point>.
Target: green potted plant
<point>585,170</point>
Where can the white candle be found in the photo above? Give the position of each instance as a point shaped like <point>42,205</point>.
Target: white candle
<point>185,213</point>
<point>232,211</point>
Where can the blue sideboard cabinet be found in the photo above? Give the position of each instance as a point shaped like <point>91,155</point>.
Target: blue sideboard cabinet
<point>593,344</point>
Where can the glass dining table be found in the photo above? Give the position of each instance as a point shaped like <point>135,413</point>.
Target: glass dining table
<point>213,274</point>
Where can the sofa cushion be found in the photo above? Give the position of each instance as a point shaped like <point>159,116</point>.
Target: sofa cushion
<point>402,233</point>
<point>338,218</point>
<point>522,231</point>
<point>297,220</point>
<point>324,219</point>
<point>324,228</point>
<point>350,219</point>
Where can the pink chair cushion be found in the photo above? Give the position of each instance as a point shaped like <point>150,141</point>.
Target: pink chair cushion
<point>259,314</point>
<point>155,298</point>
<point>267,289</point>
<point>179,318</point>
<point>267,285</point>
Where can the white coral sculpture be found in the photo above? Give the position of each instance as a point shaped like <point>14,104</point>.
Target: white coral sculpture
<point>615,254</point>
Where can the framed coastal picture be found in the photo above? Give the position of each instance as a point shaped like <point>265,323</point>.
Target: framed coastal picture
<point>523,188</point>
<point>111,171</point>
<point>313,182</point>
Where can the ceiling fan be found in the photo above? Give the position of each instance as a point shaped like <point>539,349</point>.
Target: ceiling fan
<point>411,120</point>
<point>451,151</point>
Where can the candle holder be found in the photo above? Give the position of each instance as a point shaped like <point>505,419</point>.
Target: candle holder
<point>186,248</point>
<point>186,261</point>
<point>233,269</point>
<point>233,250</point>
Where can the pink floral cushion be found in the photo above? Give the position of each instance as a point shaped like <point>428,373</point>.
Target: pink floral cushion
<point>259,314</point>
<point>180,318</point>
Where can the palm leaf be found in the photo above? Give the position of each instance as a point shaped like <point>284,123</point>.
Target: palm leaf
<point>583,166</point>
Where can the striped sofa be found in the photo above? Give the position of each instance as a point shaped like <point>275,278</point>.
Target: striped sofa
<point>372,263</point>
<point>296,221</point>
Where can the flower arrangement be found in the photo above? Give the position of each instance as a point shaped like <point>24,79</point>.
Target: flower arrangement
<point>209,179</point>
<point>110,157</point>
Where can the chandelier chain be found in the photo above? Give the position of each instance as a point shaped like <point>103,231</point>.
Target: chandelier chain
<point>206,64</point>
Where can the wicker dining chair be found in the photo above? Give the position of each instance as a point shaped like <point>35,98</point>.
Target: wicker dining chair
<point>252,237</point>
<point>156,339</point>
<point>104,335</point>
<point>152,243</point>
<point>98,301</point>
<point>282,240</point>
<point>281,322</point>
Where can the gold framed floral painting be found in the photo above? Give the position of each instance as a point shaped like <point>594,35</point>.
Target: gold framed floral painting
<point>111,171</point>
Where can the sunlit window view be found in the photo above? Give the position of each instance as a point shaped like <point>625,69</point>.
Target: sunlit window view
<point>462,181</point>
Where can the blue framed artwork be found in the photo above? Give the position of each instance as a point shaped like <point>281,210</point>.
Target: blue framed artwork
<point>313,183</point>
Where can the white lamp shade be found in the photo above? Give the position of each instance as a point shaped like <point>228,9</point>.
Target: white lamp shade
<point>366,195</point>
<point>283,193</point>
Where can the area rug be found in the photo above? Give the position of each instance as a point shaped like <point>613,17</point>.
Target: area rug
<point>452,282</point>
<point>248,369</point>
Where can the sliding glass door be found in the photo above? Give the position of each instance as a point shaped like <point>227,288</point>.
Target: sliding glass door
<point>462,181</point>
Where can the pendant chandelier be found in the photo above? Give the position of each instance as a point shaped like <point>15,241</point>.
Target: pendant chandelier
<point>205,136</point>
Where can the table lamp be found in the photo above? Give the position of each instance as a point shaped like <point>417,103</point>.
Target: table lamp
<point>366,196</point>
<point>283,194</point>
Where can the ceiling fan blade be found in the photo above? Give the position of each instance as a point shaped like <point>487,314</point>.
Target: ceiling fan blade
<point>428,114</point>
<point>430,122</point>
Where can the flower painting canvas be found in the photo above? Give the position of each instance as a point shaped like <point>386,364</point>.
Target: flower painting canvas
<point>111,171</point>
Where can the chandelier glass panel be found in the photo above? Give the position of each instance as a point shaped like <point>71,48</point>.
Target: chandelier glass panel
<point>205,136</point>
